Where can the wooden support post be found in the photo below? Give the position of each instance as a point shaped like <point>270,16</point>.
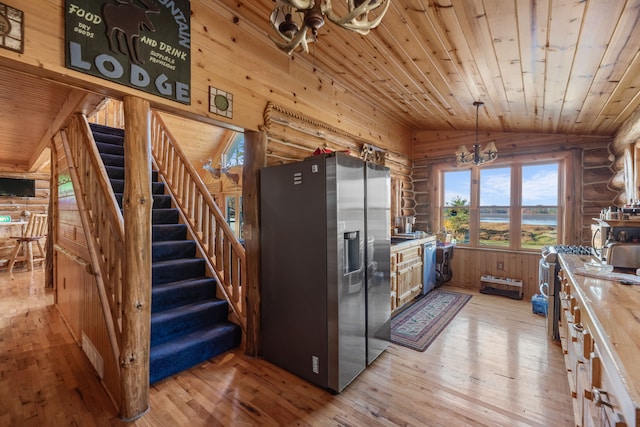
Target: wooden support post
<point>137,203</point>
<point>255,158</point>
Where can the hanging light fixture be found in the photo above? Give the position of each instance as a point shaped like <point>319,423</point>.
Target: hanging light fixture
<point>292,19</point>
<point>479,155</point>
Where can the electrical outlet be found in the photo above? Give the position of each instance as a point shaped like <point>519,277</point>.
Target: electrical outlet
<point>500,265</point>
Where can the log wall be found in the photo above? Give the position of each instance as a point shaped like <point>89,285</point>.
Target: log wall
<point>597,170</point>
<point>14,206</point>
<point>292,136</point>
<point>625,152</point>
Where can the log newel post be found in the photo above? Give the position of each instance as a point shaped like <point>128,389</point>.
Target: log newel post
<point>136,317</point>
<point>255,154</point>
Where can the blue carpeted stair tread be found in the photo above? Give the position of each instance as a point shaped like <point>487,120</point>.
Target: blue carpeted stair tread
<point>160,201</point>
<point>114,172</point>
<point>118,186</point>
<point>172,249</point>
<point>162,232</point>
<point>176,269</point>
<point>173,294</point>
<point>108,148</point>
<point>106,138</point>
<point>188,323</point>
<point>165,216</point>
<point>102,131</point>
<point>112,159</point>
<point>117,172</point>
<point>192,349</point>
<point>167,324</point>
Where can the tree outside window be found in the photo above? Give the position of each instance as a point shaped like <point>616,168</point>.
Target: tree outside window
<point>456,211</point>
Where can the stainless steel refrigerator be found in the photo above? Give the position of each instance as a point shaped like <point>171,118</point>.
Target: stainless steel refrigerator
<point>325,291</point>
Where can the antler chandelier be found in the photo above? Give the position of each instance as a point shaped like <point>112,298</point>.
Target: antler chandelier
<point>479,155</point>
<point>292,19</point>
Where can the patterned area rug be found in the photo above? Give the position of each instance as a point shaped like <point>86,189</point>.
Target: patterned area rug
<point>419,324</point>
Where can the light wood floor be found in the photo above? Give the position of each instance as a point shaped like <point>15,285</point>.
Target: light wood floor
<point>492,366</point>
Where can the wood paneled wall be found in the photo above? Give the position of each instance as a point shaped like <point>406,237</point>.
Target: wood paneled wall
<point>469,264</point>
<point>77,294</point>
<point>14,206</point>
<point>227,53</point>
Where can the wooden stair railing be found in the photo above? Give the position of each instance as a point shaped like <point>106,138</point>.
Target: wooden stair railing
<point>102,221</point>
<point>225,255</point>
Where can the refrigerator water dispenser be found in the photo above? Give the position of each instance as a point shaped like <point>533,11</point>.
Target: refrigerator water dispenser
<point>351,252</point>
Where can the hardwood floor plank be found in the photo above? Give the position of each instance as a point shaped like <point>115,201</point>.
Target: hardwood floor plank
<point>492,365</point>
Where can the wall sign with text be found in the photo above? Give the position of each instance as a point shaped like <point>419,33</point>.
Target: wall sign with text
<point>144,44</point>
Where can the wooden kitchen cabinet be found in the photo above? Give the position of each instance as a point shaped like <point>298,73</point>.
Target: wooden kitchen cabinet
<point>394,282</point>
<point>406,272</point>
<point>600,355</point>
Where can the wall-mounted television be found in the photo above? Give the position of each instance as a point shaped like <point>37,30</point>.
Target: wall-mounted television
<point>17,187</point>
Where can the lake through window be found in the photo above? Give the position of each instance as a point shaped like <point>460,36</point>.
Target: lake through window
<point>512,207</point>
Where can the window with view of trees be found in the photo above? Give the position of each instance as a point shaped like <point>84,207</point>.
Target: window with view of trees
<point>457,193</point>
<point>513,206</point>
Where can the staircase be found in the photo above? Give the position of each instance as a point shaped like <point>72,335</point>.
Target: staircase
<point>188,323</point>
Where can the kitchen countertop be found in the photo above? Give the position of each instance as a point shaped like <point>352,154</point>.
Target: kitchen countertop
<point>614,309</point>
<point>409,243</point>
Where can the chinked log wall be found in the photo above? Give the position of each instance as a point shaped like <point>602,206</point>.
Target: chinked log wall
<point>625,181</point>
<point>292,137</point>
<point>14,206</point>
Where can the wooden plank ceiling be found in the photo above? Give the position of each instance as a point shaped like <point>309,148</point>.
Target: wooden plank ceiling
<point>561,66</point>
<point>553,66</point>
<point>27,108</point>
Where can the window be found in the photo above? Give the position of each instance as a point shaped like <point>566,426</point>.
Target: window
<point>457,194</point>
<point>539,211</point>
<point>495,206</point>
<point>232,161</point>
<point>233,214</point>
<point>513,206</point>
<point>234,154</point>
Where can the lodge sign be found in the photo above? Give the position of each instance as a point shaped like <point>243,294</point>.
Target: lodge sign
<point>144,44</point>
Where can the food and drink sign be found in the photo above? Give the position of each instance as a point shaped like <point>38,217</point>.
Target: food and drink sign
<point>144,44</point>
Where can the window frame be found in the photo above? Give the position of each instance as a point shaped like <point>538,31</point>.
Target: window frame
<point>566,212</point>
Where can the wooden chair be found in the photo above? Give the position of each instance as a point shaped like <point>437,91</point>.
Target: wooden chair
<point>35,231</point>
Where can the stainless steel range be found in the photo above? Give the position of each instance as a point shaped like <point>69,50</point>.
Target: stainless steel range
<point>550,282</point>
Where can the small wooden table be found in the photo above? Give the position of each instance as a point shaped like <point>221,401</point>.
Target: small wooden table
<point>8,230</point>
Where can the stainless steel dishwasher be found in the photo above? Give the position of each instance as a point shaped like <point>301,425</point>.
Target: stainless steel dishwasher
<point>429,266</point>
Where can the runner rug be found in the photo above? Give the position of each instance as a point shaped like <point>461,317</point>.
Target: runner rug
<point>418,325</point>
